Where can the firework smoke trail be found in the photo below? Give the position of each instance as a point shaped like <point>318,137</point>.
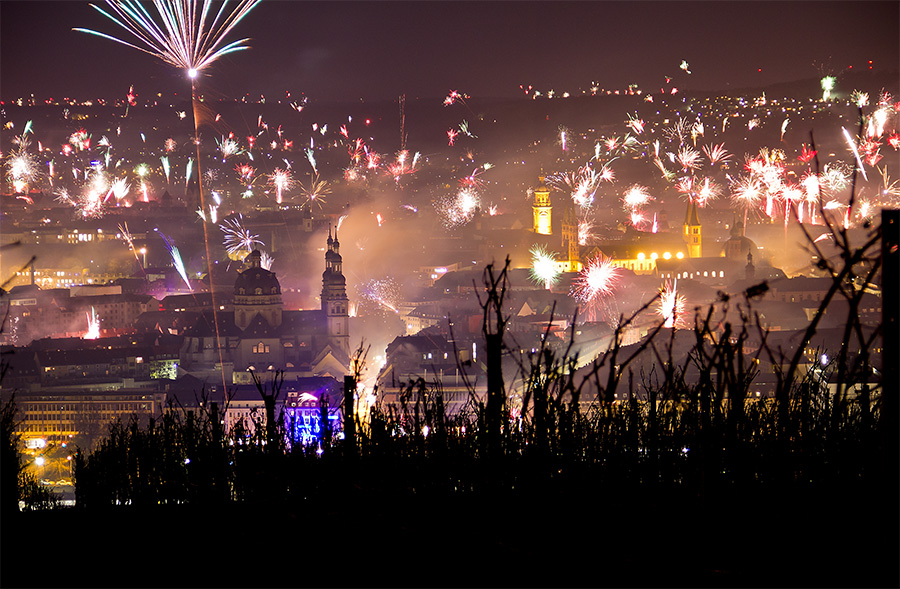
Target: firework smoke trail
<point>671,304</point>
<point>597,279</point>
<point>129,240</point>
<point>165,163</point>
<point>312,159</point>
<point>187,174</point>
<point>239,241</point>
<point>543,267</point>
<point>855,153</point>
<point>176,258</point>
<point>93,325</point>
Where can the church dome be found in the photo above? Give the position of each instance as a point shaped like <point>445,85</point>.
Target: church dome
<point>255,280</point>
<point>737,248</point>
<point>738,245</point>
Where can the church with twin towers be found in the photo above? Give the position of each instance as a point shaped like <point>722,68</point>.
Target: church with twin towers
<point>259,335</point>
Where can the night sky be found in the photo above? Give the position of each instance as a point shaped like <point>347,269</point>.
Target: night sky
<point>379,50</point>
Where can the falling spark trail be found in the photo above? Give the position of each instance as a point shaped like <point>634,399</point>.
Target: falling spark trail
<point>855,153</point>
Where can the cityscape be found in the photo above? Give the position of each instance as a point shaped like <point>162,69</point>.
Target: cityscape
<point>640,291</point>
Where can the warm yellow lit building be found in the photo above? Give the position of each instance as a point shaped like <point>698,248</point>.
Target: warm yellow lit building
<point>542,209</point>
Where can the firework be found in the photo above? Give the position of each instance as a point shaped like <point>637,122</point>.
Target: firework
<point>246,172</point>
<point>464,128</point>
<point>889,189</point>
<point>671,304</point>
<point>119,188</point>
<point>384,293</point>
<point>228,148</point>
<point>170,145</point>
<point>93,325</point>
<point>402,165</point>
<point>21,169</point>
<point>707,191</point>
<point>688,158</point>
<point>678,132</point>
<point>636,196</point>
<point>455,96</point>
<point>716,153</point>
<point>544,269</point>
<point>855,153</point>
<point>186,39</point>
<point>315,191</point>
<point>356,151</point>
<point>597,279</point>
<point>165,163</point>
<point>239,241</point>
<point>282,181</point>
<point>311,158</point>
<point>636,124</point>
<point>459,209</point>
<point>176,258</point>
<point>827,86</point>
<point>266,261</point>
<point>585,231</point>
<point>806,154</point>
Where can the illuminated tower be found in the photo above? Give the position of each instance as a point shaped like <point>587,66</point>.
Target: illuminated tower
<point>692,230</point>
<point>569,230</point>
<point>542,209</point>
<point>334,296</point>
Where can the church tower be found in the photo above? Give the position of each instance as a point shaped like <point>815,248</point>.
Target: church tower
<point>542,209</point>
<point>692,230</point>
<point>569,230</point>
<point>334,296</point>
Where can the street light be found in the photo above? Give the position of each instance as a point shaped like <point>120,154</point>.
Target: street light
<point>143,251</point>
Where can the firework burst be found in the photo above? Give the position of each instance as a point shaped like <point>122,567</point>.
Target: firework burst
<point>671,305</point>
<point>544,269</point>
<point>186,39</point>
<point>316,191</point>
<point>281,180</point>
<point>596,280</point>
<point>239,241</point>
